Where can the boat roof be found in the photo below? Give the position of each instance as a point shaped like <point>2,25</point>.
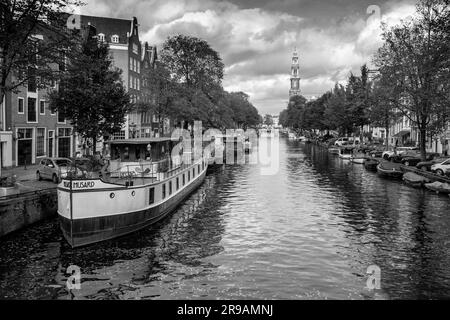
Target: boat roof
<point>141,140</point>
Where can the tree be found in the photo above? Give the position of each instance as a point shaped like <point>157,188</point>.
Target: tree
<point>33,38</point>
<point>91,94</point>
<point>160,94</point>
<point>268,120</point>
<point>415,56</point>
<point>383,111</point>
<point>198,69</point>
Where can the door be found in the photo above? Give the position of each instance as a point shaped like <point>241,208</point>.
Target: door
<point>64,147</point>
<point>24,148</point>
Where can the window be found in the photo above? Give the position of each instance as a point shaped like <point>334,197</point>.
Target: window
<point>198,169</point>
<point>25,133</point>
<point>193,173</point>
<point>170,188</point>
<point>115,39</point>
<point>40,142</point>
<point>178,183</point>
<point>163,191</point>
<point>151,195</point>
<point>42,107</point>
<point>131,82</point>
<point>184,179</point>
<point>138,67</point>
<point>61,118</point>
<point>131,63</point>
<point>31,110</point>
<point>189,175</point>
<point>20,108</point>
<point>101,37</point>
<point>64,132</point>
<point>138,84</point>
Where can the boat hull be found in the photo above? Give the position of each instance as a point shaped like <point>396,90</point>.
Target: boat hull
<point>82,232</point>
<point>394,174</point>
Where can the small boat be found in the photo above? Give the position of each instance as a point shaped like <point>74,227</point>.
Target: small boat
<point>415,180</point>
<point>345,153</point>
<point>333,150</point>
<point>358,158</point>
<point>438,187</point>
<point>371,164</point>
<point>390,170</point>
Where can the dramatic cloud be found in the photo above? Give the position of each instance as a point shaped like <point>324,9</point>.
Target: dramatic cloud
<point>256,38</point>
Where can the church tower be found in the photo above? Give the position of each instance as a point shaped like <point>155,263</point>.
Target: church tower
<point>295,75</point>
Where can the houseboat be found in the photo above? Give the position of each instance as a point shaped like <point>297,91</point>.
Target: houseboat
<point>134,192</point>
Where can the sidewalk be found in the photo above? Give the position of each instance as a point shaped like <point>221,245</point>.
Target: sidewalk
<point>26,180</point>
<point>21,173</point>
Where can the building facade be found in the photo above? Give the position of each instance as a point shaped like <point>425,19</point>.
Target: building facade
<point>134,59</point>
<point>29,129</point>
<point>295,75</point>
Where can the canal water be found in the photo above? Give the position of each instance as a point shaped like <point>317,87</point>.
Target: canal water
<point>310,231</point>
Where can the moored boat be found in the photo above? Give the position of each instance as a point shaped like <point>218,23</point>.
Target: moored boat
<point>390,170</point>
<point>415,180</point>
<point>346,153</point>
<point>438,187</point>
<point>94,210</point>
<point>371,164</point>
<point>333,150</point>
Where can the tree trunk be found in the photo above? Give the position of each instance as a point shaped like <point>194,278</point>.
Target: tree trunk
<point>94,145</point>
<point>423,143</point>
<point>387,136</point>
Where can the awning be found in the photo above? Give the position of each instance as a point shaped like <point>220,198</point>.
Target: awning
<point>402,133</point>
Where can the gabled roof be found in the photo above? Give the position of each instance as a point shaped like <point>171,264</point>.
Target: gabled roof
<point>109,27</point>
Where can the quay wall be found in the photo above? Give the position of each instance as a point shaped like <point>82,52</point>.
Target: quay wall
<point>25,209</point>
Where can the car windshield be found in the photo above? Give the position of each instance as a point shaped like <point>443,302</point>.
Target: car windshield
<point>62,162</point>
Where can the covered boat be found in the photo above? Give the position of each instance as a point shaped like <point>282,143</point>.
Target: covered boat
<point>390,170</point>
<point>415,180</point>
<point>439,187</point>
<point>371,164</point>
<point>131,194</point>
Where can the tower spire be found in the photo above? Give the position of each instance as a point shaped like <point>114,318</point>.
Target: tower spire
<point>295,75</point>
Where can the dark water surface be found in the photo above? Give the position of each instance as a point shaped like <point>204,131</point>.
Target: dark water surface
<point>308,232</point>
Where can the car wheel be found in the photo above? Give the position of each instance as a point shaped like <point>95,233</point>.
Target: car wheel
<point>55,178</point>
<point>38,176</point>
<point>386,157</point>
<point>440,172</point>
<point>423,168</point>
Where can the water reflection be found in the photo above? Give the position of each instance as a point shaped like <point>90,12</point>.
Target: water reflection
<point>310,231</point>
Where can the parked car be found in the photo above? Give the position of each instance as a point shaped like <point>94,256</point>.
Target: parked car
<point>426,165</point>
<point>56,168</point>
<point>387,155</point>
<point>441,168</point>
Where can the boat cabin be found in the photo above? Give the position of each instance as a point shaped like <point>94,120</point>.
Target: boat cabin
<point>141,149</point>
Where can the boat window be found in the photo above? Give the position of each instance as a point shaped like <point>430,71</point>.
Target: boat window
<point>163,190</point>
<point>184,179</point>
<point>170,188</point>
<point>178,183</point>
<point>151,195</point>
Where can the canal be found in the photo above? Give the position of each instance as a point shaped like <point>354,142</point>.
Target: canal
<point>310,231</point>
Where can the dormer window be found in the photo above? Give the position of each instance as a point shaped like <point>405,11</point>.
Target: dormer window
<point>115,39</point>
<point>101,37</point>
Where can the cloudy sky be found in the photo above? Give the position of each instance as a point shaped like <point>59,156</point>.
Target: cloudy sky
<point>256,38</point>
